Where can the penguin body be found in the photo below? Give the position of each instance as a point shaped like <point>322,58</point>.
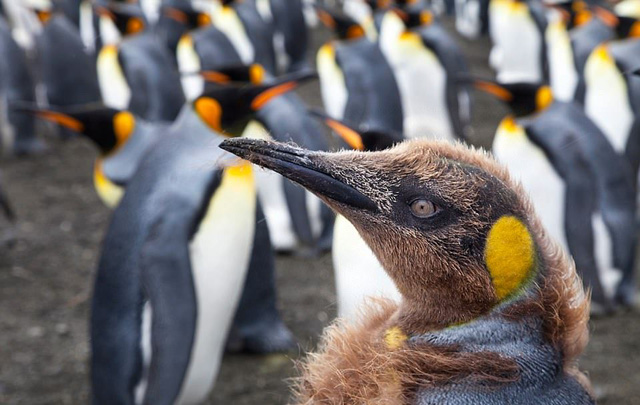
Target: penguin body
<point>296,218</point>
<point>516,30</point>
<point>612,97</point>
<point>433,103</point>
<point>16,84</point>
<point>472,17</point>
<point>171,231</point>
<point>67,71</point>
<point>204,49</point>
<point>291,35</point>
<point>139,75</point>
<point>464,247</point>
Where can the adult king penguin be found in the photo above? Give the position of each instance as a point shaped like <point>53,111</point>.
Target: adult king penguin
<point>487,299</point>
<point>582,190</point>
<point>138,74</point>
<point>425,62</point>
<point>359,275</point>
<point>356,81</point>
<point>17,130</point>
<point>612,97</point>
<point>167,290</point>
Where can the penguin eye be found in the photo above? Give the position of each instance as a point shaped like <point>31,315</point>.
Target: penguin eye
<point>423,208</point>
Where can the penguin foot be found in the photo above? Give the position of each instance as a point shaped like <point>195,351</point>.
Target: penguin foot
<point>273,338</point>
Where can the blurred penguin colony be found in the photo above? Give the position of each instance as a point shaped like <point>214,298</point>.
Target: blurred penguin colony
<point>187,267</point>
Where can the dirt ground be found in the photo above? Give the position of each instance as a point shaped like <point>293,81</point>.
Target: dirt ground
<point>46,280</point>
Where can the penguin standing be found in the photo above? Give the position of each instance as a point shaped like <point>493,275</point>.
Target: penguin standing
<point>357,83</point>
<point>358,273</point>
<point>17,130</point>
<point>487,299</point>
<point>518,52</point>
<point>425,62</point>
<point>138,74</point>
<point>581,188</point>
<point>612,97</point>
<point>166,289</point>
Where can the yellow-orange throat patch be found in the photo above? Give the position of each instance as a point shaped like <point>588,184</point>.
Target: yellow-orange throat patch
<point>509,255</point>
<point>394,338</point>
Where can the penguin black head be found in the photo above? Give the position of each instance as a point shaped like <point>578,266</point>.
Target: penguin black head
<point>375,5</point>
<point>574,13</point>
<point>415,16</point>
<point>108,128</point>
<point>128,18</point>
<point>455,233</point>
<point>364,139</point>
<point>628,27</point>
<point>344,26</point>
<point>522,98</point>
<point>227,109</point>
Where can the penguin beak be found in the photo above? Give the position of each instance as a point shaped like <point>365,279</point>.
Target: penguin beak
<point>284,85</point>
<point>494,89</point>
<point>349,135</point>
<point>301,166</point>
<point>51,116</point>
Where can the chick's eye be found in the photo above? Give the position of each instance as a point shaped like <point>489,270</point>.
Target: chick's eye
<point>423,208</point>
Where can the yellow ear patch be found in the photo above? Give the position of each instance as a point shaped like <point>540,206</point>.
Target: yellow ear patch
<point>394,338</point>
<point>123,125</point>
<point>544,97</point>
<point>509,255</point>
<point>210,111</point>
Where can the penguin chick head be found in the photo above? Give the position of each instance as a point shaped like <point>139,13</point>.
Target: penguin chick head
<point>342,25</point>
<point>108,128</point>
<point>228,109</point>
<point>128,19</point>
<point>369,139</point>
<point>522,98</point>
<point>456,235</point>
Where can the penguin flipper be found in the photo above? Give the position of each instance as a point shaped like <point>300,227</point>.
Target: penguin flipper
<point>257,326</point>
<point>168,284</point>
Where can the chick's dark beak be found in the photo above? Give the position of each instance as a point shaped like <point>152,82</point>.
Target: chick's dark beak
<point>301,166</point>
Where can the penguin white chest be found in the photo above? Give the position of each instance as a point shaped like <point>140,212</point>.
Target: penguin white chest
<point>115,90</point>
<point>227,21</point>
<point>517,42</point>
<point>358,272</point>
<point>468,21</point>
<point>220,252</point>
<point>189,62</point>
<point>528,164</point>
<point>333,88</point>
<point>562,70</point>
<point>422,83</point>
<point>606,98</point>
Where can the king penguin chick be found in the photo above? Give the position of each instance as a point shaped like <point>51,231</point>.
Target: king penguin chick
<point>139,73</point>
<point>581,188</point>
<point>488,301</point>
<point>356,81</point>
<point>359,275</point>
<point>166,289</point>
<point>17,129</point>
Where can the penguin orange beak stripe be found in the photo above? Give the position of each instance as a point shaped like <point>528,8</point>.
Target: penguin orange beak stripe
<point>215,77</point>
<point>491,88</point>
<point>301,166</point>
<point>62,119</point>
<point>177,15</point>
<point>351,137</point>
<point>263,98</point>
